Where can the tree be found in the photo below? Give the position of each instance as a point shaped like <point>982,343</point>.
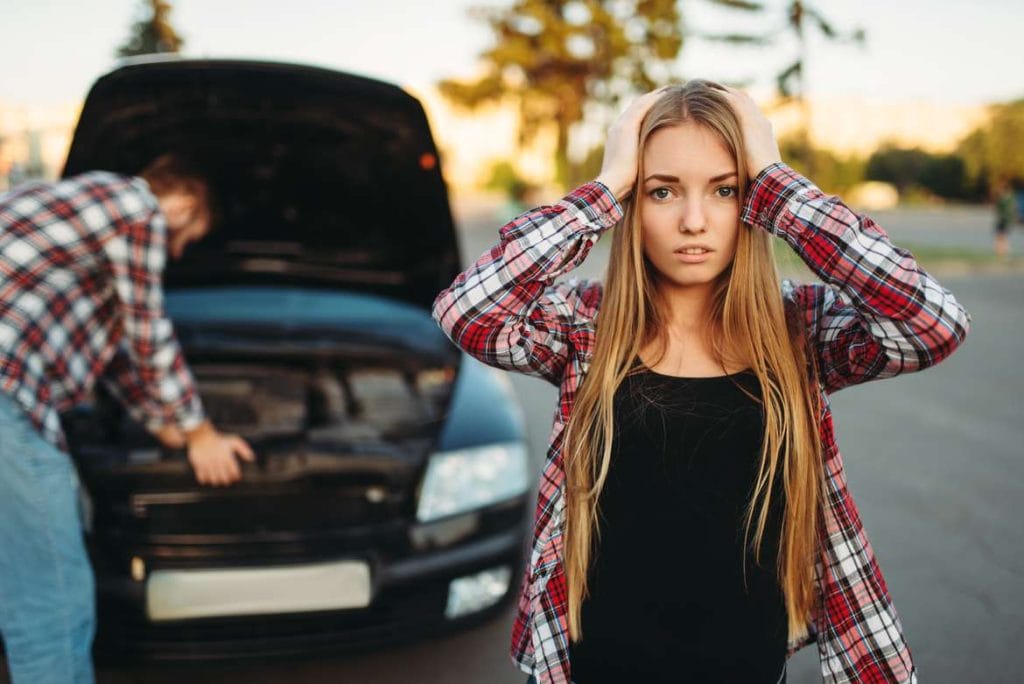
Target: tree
<point>914,169</point>
<point>153,32</point>
<point>901,167</point>
<point>945,175</point>
<point>554,57</point>
<point>832,172</point>
<point>789,80</point>
<point>995,150</point>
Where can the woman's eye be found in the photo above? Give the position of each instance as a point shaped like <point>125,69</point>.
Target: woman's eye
<point>659,193</point>
<point>726,191</point>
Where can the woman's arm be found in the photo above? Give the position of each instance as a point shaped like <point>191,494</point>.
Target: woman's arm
<point>879,313</point>
<point>505,309</point>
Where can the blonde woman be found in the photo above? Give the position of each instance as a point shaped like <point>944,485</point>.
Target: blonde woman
<point>693,521</point>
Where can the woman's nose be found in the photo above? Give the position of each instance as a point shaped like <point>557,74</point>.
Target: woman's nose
<point>694,220</point>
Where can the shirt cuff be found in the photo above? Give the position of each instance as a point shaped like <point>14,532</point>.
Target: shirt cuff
<point>597,203</point>
<point>770,192</point>
<point>186,418</point>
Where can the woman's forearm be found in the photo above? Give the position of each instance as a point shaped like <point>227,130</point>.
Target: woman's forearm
<point>915,319</point>
<point>504,309</point>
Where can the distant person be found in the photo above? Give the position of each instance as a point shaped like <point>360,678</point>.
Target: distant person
<point>693,520</point>
<point>81,262</point>
<point>1018,198</point>
<point>1006,214</point>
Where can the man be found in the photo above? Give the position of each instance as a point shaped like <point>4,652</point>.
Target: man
<point>81,263</point>
<point>1005,214</point>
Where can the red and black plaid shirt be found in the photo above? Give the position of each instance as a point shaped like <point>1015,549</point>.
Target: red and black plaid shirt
<point>877,314</point>
<point>81,262</point>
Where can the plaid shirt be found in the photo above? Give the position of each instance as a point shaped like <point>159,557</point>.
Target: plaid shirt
<point>81,295</point>
<point>877,314</point>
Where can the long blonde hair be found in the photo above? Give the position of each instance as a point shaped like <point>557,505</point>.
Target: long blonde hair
<point>748,320</point>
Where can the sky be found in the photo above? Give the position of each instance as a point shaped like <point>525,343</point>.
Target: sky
<point>945,51</point>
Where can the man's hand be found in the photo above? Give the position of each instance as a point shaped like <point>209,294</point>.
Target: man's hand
<point>758,134</point>
<point>170,436</point>
<point>212,455</point>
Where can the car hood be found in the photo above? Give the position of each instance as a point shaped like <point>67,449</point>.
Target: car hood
<point>322,178</point>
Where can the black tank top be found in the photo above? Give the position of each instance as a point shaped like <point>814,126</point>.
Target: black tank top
<point>667,600</point>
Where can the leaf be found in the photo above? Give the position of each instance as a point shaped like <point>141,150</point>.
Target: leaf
<point>739,4</point>
<point>784,77</point>
<point>738,39</point>
<point>823,24</point>
<point>472,94</point>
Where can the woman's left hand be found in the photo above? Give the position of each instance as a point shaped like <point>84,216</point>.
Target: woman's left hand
<point>758,134</point>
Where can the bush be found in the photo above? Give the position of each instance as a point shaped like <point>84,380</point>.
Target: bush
<point>504,178</point>
<point>916,172</point>
<point>828,170</point>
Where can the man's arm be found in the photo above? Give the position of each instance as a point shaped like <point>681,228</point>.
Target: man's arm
<point>153,370</point>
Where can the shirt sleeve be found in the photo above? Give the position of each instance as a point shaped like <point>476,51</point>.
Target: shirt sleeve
<point>148,371</point>
<point>877,313</point>
<point>506,310</point>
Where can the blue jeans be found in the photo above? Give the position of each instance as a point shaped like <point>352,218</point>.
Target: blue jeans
<point>47,597</point>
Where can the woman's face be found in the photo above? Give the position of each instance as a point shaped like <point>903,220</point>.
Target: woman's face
<point>689,205</point>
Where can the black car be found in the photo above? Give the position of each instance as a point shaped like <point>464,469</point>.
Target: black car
<point>390,493</point>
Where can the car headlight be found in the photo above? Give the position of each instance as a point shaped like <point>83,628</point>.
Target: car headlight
<point>464,479</point>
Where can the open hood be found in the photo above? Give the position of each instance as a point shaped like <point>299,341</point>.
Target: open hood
<point>323,178</point>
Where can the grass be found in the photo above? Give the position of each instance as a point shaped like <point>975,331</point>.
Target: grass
<point>931,258</point>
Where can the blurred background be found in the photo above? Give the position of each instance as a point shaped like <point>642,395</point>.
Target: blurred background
<point>912,110</point>
<point>905,101</point>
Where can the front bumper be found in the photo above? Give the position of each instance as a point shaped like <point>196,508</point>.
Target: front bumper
<point>409,597</point>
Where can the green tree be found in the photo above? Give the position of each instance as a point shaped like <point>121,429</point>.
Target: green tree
<point>913,169</point>
<point>799,18</point>
<point>899,166</point>
<point>995,150</point>
<point>832,173</point>
<point>555,57</point>
<point>946,176</point>
<point>504,178</point>
<point>153,32</point>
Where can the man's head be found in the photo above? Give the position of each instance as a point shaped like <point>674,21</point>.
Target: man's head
<point>184,197</point>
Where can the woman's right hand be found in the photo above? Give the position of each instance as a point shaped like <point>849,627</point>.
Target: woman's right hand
<point>621,149</point>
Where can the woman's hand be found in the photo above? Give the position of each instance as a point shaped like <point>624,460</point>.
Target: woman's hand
<point>758,134</point>
<point>621,149</point>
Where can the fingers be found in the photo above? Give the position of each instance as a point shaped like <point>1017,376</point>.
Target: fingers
<point>218,473</point>
<point>638,108</point>
<point>741,100</point>
<point>621,150</point>
<point>758,132</point>
<point>215,462</point>
<point>242,448</point>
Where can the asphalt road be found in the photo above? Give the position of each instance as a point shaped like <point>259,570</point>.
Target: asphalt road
<point>935,462</point>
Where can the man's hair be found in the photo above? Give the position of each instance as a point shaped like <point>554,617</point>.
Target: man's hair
<point>170,172</point>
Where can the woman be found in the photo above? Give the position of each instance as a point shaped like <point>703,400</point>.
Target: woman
<point>693,522</point>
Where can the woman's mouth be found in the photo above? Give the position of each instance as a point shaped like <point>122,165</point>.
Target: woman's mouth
<point>693,255</point>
